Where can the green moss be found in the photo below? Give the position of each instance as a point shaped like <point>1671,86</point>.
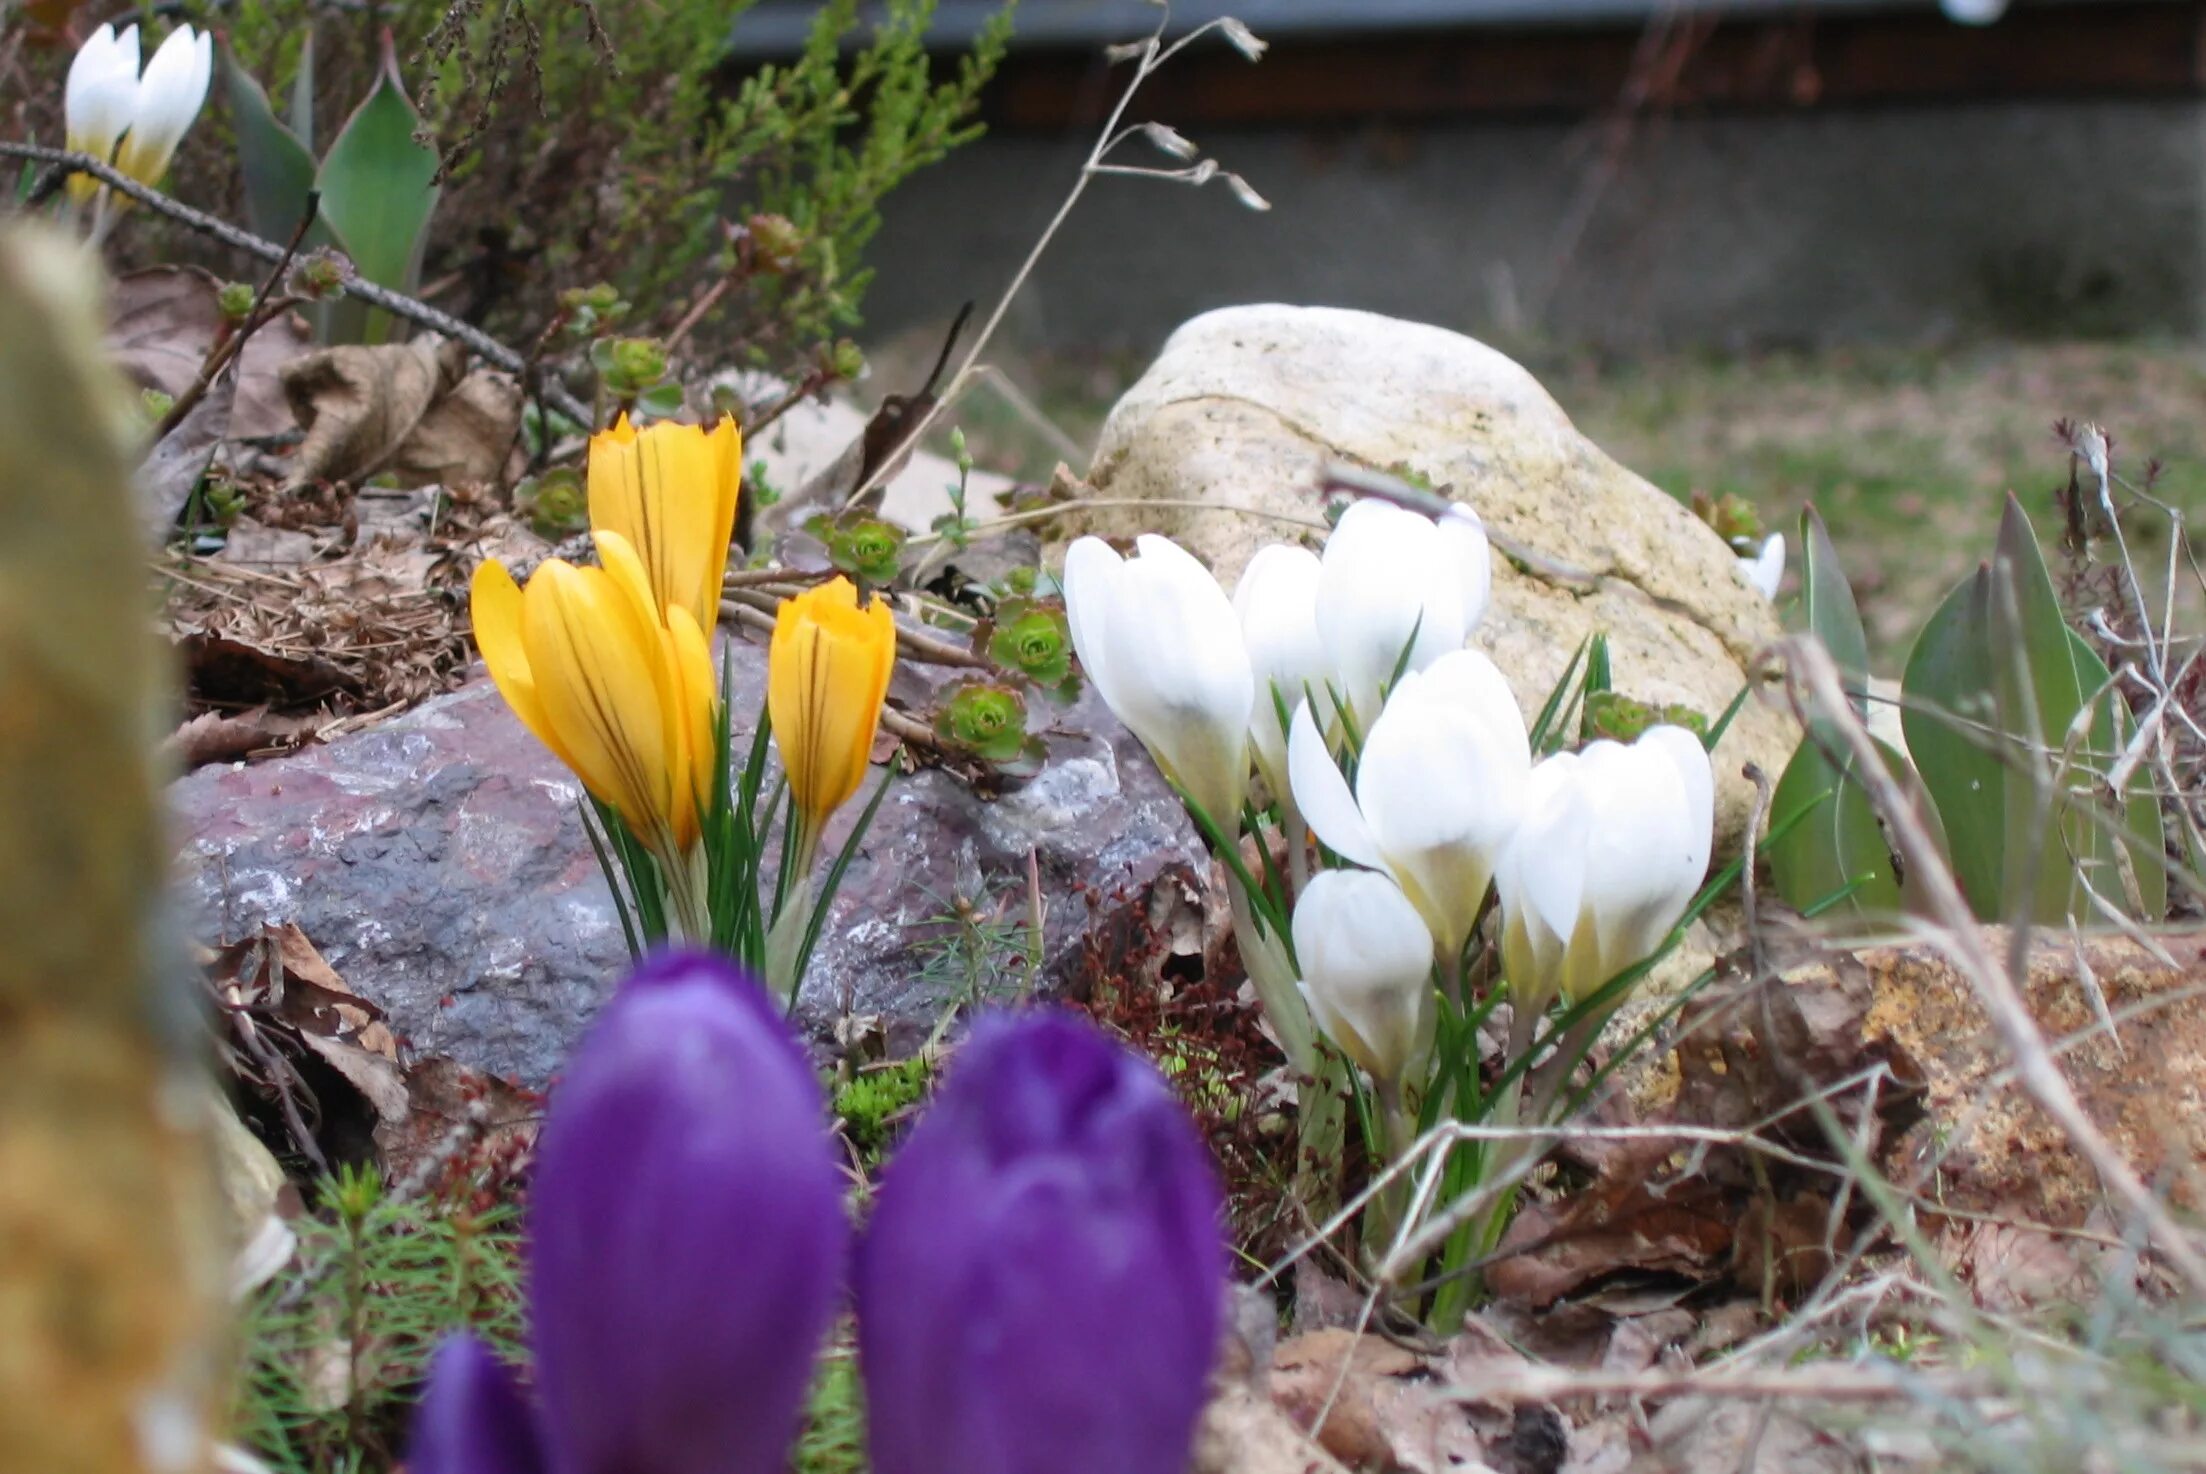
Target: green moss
<point>867,1104</point>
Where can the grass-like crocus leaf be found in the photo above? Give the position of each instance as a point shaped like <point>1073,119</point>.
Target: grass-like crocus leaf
<point>378,192</point>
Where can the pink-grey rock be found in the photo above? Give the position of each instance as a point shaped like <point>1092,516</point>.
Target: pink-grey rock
<point>438,863</point>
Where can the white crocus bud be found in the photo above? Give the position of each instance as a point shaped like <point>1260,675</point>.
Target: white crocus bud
<point>99,98</point>
<point>1440,789</point>
<point>1615,842</point>
<point>1765,570</point>
<point>1159,639</point>
<point>1276,600</point>
<point>169,97</point>
<point>1391,577</point>
<point>1366,969</point>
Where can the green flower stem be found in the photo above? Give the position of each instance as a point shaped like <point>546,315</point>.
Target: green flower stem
<point>1276,983</point>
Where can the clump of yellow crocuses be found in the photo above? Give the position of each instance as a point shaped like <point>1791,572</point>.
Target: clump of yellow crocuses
<point>611,668</point>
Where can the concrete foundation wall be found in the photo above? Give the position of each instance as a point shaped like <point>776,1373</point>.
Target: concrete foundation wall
<point>1904,223</point>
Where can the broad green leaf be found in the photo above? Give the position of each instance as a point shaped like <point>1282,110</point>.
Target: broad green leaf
<point>1828,611</point>
<point>278,169</point>
<point>377,189</point>
<point>1837,845</point>
<point>1995,683</point>
<point>1950,721</point>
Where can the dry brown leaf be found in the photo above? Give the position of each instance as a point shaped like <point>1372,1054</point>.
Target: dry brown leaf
<point>162,483</point>
<point>1243,1433</point>
<point>470,436</point>
<point>1639,1217</point>
<point>165,319</point>
<point>212,737</point>
<point>358,404</point>
<point>1388,1413</point>
<point>452,1109</point>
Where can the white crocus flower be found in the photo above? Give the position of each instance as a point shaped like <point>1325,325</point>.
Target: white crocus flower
<point>1276,600</point>
<point>1366,970</point>
<point>1159,639</point>
<point>1614,844</point>
<point>1440,789</point>
<point>1390,575</point>
<point>169,97</point>
<point>1766,569</point>
<point>99,99</point>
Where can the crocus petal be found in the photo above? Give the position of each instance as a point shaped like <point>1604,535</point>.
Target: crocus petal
<point>1395,594</point>
<point>827,673</point>
<point>472,1418</point>
<point>671,491</point>
<point>686,1233</point>
<point>1631,860</point>
<point>1276,602</point>
<point>1766,569</point>
<point>1464,535</point>
<point>1366,967</point>
<point>1321,794</point>
<point>169,97</point>
<point>699,703</point>
<point>1541,881</point>
<point>1040,1287</point>
<point>1441,783</point>
<point>494,604</point>
<point>601,675</point>
<point>1160,640</point>
<point>98,98</point>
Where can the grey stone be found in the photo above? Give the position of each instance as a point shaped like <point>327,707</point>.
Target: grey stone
<point>439,864</point>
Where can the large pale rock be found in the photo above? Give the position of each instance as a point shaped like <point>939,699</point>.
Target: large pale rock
<point>1246,405</point>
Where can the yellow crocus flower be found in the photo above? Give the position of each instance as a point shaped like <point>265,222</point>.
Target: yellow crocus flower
<point>826,675</point>
<point>624,698</point>
<point>670,490</point>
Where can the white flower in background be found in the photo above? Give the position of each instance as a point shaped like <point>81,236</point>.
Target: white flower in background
<point>1366,969</point>
<point>1276,600</point>
<point>1440,789</point>
<point>1389,574</point>
<point>169,97</point>
<point>99,99</point>
<point>1160,640</point>
<point>1614,843</point>
<point>1765,570</point>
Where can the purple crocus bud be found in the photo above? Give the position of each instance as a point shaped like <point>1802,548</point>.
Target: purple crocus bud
<point>1040,1289</point>
<point>686,1248</point>
<point>472,1418</point>
<point>686,1232</point>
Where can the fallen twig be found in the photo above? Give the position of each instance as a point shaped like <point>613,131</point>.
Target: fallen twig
<point>489,349</point>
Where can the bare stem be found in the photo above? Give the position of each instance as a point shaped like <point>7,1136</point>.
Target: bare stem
<point>489,349</point>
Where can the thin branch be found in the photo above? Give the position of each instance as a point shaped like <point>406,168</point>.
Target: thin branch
<point>257,316</point>
<point>1818,1382</point>
<point>489,349</point>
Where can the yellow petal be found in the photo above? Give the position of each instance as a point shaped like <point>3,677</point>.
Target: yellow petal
<point>699,704</point>
<point>670,490</point>
<point>601,673</point>
<point>827,674</point>
<point>494,604</point>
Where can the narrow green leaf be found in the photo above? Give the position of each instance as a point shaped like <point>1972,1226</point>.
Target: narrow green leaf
<point>377,192</point>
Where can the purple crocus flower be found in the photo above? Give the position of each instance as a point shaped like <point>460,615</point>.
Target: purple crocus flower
<point>686,1247</point>
<point>1040,1288</point>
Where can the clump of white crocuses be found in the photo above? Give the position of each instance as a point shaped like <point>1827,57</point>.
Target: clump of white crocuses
<point>1416,864</point>
<point>134,122</point>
